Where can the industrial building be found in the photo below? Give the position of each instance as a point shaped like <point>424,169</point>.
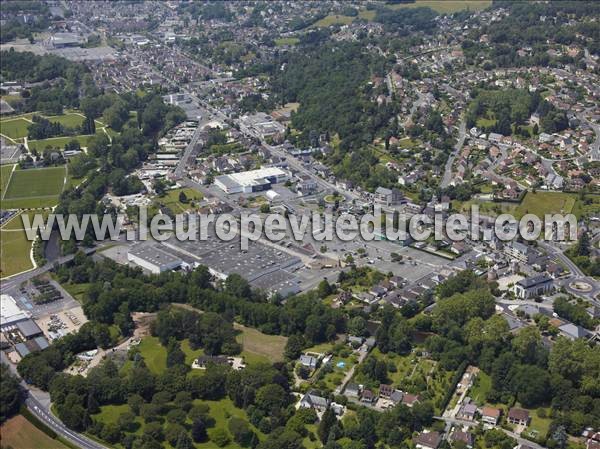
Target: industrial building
<point>152,257</point>
<point>10,312</point>
<point>251,181</point>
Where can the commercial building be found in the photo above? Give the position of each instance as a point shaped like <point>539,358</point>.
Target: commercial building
<point>251,181</point>
<point>153,258</point>
<point>534,286</point>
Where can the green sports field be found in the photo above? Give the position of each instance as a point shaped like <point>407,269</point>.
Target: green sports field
<point>38,182</point>
<point>14,128</point>
<point>15,248</point>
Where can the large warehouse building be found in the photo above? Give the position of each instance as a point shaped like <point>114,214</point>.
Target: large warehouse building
<point>251,181</point>
<point>153,258</point>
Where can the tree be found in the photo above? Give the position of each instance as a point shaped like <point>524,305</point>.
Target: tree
<point>357,326</point>
<point>184,441</point>
<point>294,346</point>
<point>183,197</point>
<point>10,393</point>
<point>327,421</point>
<point>175,356</point>
<point>199,431</point>
<point>324,289</point>
<point>220,437</point>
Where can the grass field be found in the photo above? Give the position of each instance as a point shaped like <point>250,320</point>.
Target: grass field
<point>541,203</point>
<point>171,199</point>
<point>35,183</point>
<point>69,120</point>
<point>19,433</point>
<point>14,128</point>
<point>480,388</point>
<point>260,347</point>
<point>77,291</point>
<point>333,19</point>
<point>154,354</point>
<point>5,171</point>
<point>14,243</point>
<point>286,41</point>
<point>59,142</point>
<point>446,6</point>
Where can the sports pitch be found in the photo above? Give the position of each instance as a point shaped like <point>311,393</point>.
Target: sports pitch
<point>38,187</point>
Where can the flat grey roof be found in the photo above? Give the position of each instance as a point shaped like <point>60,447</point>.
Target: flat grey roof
<point>28,328</point>
<point>153,253</point>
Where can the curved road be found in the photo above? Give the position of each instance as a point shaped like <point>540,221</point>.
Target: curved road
<point>38,403</point>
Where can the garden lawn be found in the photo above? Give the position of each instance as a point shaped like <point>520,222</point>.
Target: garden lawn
<point>190,354</point>
<point>171,199</point>
<point>481,387</point>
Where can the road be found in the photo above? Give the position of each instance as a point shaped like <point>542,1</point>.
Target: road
<point>462,134</point>
<point>38,403</point>
<point>462,422</point>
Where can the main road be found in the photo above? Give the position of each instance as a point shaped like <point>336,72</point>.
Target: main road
<point>462,134</point>
<point>38,403</point>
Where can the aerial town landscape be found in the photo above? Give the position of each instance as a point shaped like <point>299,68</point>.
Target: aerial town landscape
<point>144,111</point>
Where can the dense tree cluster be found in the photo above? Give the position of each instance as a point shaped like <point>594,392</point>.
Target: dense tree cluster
<point>29,67</point>
<point>11,394</point>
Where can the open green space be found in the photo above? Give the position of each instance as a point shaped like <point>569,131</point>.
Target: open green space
<point>286,41</point>
<point>69,120</point>
<point>481,387</point>
<point>59,142</point>
<point>541,203</point>
<point>171,199</point>
<point>5,171</point>
<point>446,6</point>
<point>333,19</point>
<point>259,347</point>
<point>36,182</point>
<point>19,433</point>
<point>222,411</point>
<point>154,354</point>
<point>15,128</point>
<point>77,291</point>
<point>15,249</point>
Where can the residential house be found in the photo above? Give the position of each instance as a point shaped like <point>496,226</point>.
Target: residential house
<point>490,415</point>
<point>573,331</point>
<point>518,416</point>
<point>367,396</point>
<point>308,361</point>
<point>428,440</point>
<point>314,401</point>
<point>467,412</point>
<point>465,437</point>
<point>352,390</point>
<point>385,391</point>
<point>410,399</point>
